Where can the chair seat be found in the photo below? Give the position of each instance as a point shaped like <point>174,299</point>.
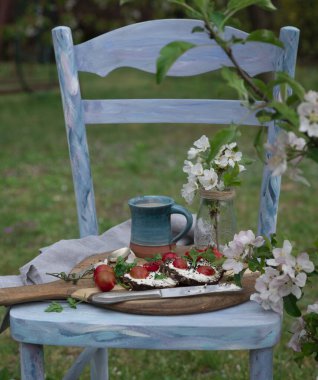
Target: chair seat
<point>246,326</point>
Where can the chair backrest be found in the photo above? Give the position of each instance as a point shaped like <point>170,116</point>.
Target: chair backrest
<point>138,46</point>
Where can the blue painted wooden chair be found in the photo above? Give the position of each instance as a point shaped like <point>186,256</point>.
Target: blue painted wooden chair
<point>244,327</point>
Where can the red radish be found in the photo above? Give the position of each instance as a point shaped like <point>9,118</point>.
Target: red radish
<point>206,270</point>
<point>139,272</point>
<point>152,266</point>
<point>180,263</point>
<point>169,256</point>
<point>105,280</point>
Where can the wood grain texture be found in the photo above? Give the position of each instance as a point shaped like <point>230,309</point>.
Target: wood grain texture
<point>75,130</point>
<point>138,46</point>
<point>270,191</point>
<point>32,361</point>
<point>261,364</point>
<point>167,111</point>
<point>246,326</point>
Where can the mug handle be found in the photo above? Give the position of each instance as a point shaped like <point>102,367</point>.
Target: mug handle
<point>176,209</point>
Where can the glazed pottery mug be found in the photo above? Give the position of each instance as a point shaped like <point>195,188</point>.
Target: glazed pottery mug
<point>151,224</point>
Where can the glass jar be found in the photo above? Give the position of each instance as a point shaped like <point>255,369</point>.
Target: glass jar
<point>216,222</point>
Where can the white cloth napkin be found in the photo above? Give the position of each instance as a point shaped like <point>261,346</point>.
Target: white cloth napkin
<point>63,255</point>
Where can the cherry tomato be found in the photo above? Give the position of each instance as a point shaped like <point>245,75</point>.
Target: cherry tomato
<point>169,256</point>
<point>152,266</point>
<point>206,270</point>
<point>105,280</point>
<point>139,272</point>
<point>103,267</point>
<point>180,263</point>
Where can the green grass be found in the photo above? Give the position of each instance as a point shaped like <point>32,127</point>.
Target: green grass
<point>37,204</point>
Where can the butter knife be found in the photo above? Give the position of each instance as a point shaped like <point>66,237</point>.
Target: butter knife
<point>186,291</point>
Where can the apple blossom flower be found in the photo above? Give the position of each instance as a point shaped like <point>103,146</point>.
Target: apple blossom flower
<point>209,179</point>
<point>313,308</point>
<point>197,169</point>
<point>202,144</point>
<point>308,114</point>
<point>248,238</point>
<point>277,162</point>
<point>298,143</point>
<point>282,256</point>
<point>192,153</point>
<point>299,333</point>
<point>188,191</point>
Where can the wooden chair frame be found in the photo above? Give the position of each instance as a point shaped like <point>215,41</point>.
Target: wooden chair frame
<point>254,329</point>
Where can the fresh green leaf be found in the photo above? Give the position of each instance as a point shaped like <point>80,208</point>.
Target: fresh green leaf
<point>238,278</point>
<point>266,36</point>
<point>54,307</point>
<point>121,267</point>
<point>168,55</point>
<point>237,5</point>
<point>222,137</point>
<point>72,302</point>
<point>218,19</point>
<point>254,265</point>
<point>312,153</point>
<point>308,348</point>
<point>198,29</point>
<point>264,116</point>
<point>154,258</point>
<point>160,276</point>
<point>235,81</point>
<point>285,113</point>
<point>230,177</point>
<point>290,306</point>
<point>284,78</point>
<point>259,143</point>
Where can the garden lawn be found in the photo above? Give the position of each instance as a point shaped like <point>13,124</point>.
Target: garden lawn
<point>37,205</point>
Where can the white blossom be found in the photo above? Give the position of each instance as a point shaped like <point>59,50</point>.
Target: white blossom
<point>299,333</point>
<point>248,238</point>
<point>277,161</point>
<point>282,256</point>
<point>209,179</point>
<point>187,166</point>
<point>188,191</point>
<point>192,153</point>
<point>308,114</point>
<point>202,144</point>
<point>313,308</point>
<point>295,142</point>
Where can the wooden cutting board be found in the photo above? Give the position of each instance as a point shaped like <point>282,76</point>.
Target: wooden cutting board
<point>85,288</point>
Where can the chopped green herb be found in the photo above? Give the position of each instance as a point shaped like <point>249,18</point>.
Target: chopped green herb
<point>54,307</point>
<point>157,257</point>
<point>122,267</point>
<point>160,276</point>
<point>72,302</point>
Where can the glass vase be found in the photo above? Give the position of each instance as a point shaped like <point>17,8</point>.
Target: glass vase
<point>216,222</point>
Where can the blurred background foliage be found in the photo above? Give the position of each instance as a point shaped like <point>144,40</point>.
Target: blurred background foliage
<point>25,26</point>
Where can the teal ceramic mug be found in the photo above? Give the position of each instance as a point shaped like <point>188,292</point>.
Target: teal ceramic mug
<point>151,224</point>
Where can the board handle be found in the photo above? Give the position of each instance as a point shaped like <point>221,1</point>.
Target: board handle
<point>28,293</point>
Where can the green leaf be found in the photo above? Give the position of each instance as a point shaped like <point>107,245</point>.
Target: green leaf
<point>222,137</point>
<point>230,177</point>
<point>312,153</point>
<point>218,19</point>
<point>290,306</point>
<point>198,29</point>
<point>283,112</point>
<point>72,302</point>
<point>266,36</point>
<point>284,78</point>
<point>160,276</point>
<point>238,278</point>
<point>235,81</point>
<point>54,307</point>
<point>168,55</point>
<point>121,267</point>
<point>259,142</point>
<point>264,116</point>
<point>237,5</point>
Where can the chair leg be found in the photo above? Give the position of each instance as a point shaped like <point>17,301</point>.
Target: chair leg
<point>261,364</point>
<point>99,365</point>
<point>32,361</point>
